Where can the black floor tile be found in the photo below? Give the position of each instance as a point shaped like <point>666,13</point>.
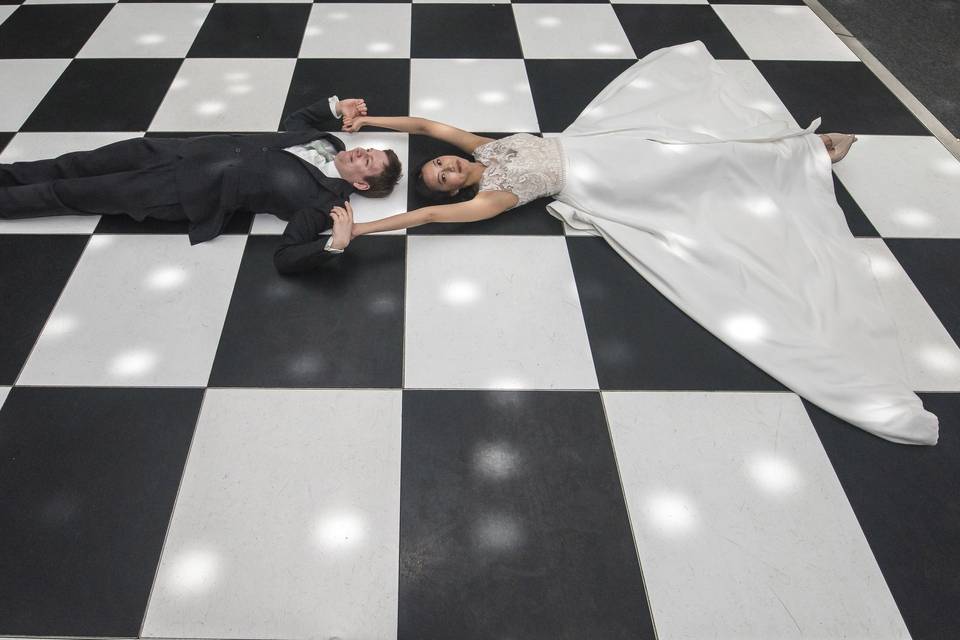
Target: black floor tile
<point>562,89</point>
<point>857,220</point>
<point>810,90</point>
<point>5,139</point>
<point>651,27</point>
<point>340,327</point>
<point>34,269</point>
<point>512,522</point>
<point>89,476</point>
<point>934,266</point>
<point>383,84</point>
<point>85,97</point>
<point>464,31</point>
<point>529,219</point>
<point>251,31</point>
<point>50,31</point>
<point>641,341</point>
<point>906,501</point>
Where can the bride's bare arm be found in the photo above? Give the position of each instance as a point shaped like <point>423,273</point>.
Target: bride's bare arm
<point>459,138</point>
<point>486,205</point>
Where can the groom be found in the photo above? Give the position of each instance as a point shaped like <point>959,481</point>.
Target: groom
<point>300,175</point>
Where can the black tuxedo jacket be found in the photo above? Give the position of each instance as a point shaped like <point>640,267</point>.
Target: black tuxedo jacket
<point>220,175</point>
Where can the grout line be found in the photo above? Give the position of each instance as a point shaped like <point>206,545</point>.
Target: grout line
<point>920,112</point>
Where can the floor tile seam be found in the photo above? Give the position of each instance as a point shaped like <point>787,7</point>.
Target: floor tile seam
<point>904,95</point>
<point>626,506</point>
<point>46,320</point>
<point>173,509</point>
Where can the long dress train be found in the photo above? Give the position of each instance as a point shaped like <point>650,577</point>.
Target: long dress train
<point>731,215</point>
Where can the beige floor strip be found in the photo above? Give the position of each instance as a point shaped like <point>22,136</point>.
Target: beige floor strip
<point>928,120</point>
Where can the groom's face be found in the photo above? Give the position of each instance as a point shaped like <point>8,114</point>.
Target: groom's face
<point>355,165</point>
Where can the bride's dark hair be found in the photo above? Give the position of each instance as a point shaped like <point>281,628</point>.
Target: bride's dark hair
<point>424,191</point>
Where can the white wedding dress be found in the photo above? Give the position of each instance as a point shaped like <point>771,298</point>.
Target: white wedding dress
<point>731,215</point>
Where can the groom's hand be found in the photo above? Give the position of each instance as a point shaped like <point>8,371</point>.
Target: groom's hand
<point>351,108</point>
<point>342,226</point>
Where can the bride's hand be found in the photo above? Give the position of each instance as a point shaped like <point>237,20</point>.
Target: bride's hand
<point>352,107</point>
<point>352,125</point>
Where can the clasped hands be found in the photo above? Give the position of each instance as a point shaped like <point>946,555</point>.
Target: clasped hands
<point>354,111</point>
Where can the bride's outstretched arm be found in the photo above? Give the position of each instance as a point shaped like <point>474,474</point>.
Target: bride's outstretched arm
<point>479,208</point>
<point>458,137</point>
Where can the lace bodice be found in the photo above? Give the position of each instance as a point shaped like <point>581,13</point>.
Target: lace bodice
<point>527,166</point>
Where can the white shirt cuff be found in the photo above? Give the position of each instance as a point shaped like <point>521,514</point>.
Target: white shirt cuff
<point>327,246</point>
<point>333,101</point>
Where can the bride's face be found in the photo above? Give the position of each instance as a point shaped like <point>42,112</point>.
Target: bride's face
<point>446,173</point>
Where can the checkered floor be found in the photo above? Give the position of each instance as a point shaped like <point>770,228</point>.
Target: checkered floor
<point>494,430</point>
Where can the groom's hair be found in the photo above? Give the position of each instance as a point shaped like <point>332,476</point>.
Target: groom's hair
<point>382,185</point>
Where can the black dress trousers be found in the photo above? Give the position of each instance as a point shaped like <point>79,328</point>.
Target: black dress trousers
<point>136,177</point>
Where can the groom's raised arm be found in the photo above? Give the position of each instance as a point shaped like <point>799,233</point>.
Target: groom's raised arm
<point>316,116</point>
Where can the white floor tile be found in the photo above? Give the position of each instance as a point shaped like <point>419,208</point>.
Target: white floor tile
<point>660,1</point>
<point>571,31</point>
<point>357,31</point>
<point>26,147</point>
<point>476,95</point>
<point>287,522</point>
<point>931,356</point>
<point>741,526</point>
<point>226,94</point>
<point>6,12</point>
<point>4,391</point>
<point>25,83</point>
<point>461,1</point>
<point>138,311</point>
<point>909,186</point>
<point>778,32</point>
<point>764,97</point>
<point>481,314</point>
<point>147,30</point>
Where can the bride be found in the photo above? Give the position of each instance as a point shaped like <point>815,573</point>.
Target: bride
<point>727,211</point>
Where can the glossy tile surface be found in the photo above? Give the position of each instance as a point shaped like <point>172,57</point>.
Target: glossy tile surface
<point>908,186</point>
<point>931,356</point>
<point>123,321</point>
<point>512,522</point>
<point>291,493</point>
<point>482,315</point>
<point>464,31</point>
<point>913,527</point>
<point>782,33</point>
<point>639,340</point>
<point>89,478</point>
<point>571,31</point>
<point>477,95</point>
<point>25,83</point>
<point>511,501</point>
<point>342,327</point>
<point>653,26</point>
<point>348,30</point>
<point>931,265</point>
<point>866,106</point>
<point>225,95</point>
<point>35,270</point>
<point>146,30</point>
<point>741,526</point>
<point>251,31</point>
